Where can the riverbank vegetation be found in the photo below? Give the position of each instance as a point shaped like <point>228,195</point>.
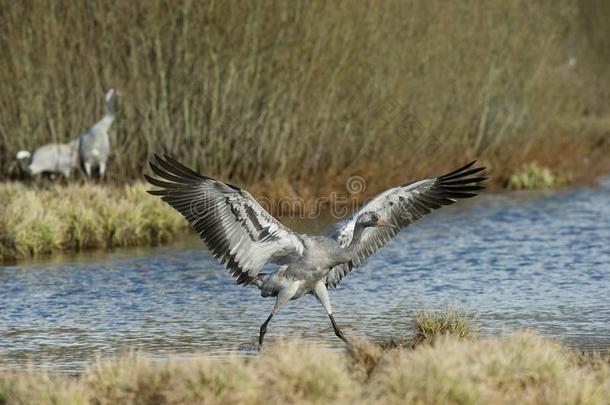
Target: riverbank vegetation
<point>36,221</point>
<point>302,96</point>
<point>532,176</point>
<point>519,368</point>
<point>45,218</point>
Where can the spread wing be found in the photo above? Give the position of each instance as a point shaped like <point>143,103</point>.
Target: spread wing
<point>401,206</point>
<point>236,229</point>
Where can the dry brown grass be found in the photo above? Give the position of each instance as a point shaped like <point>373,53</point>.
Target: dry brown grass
<point>303,95</point>
<point>519,368</point>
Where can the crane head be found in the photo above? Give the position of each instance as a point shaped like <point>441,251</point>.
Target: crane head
<point>110,94</point>
<point>372,219</point>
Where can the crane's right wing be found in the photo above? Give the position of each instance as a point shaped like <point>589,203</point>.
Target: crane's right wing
<point>401,206</point>
<point>236,229</point>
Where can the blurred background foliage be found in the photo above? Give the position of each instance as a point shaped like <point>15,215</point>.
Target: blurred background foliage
<point>305,93</point>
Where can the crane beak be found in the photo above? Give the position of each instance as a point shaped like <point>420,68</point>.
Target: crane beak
<point>381,222</point>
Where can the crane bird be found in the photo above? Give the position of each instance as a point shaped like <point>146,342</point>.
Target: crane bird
<point>94,145</point>
<point>50,159</point>
<point>243,237</point>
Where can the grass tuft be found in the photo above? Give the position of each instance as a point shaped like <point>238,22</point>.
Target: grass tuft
<point>364,356</point>
<point>298,371</point>
<point>533,176</point>
<point>428,327</point>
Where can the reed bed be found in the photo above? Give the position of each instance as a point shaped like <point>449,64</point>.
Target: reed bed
<point>519,368</point>
<point>37,221</point>
<point>301,95</point>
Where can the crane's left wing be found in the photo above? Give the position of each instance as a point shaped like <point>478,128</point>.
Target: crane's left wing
<point>401,206</point>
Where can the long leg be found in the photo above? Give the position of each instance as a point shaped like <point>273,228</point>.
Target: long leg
<point>263,331</point>
<point>102,169</point>
<point>282,298</point>
<point>322,296</point>
<point>88,169</point>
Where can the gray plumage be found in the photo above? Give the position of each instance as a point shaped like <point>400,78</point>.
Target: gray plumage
<point>244,237</point>
<point>94,145</point>
<point>51,159</point>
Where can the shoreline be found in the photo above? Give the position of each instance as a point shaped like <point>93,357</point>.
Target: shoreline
<point>81,217</point>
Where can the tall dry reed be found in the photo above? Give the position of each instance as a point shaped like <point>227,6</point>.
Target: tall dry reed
<point>305,92</point>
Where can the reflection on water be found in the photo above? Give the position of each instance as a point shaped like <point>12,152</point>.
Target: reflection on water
<point>539,261</point>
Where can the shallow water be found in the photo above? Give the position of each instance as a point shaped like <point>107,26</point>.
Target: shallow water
<point>534,260</point>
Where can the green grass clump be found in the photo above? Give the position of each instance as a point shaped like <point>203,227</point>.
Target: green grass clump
<point>520,368</point>
<point>533,176</point>
<point>427,327</point>
<point>36,221</point>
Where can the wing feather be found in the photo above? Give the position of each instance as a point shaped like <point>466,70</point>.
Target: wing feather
<point>401,206</point>
<point>240,234</point>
